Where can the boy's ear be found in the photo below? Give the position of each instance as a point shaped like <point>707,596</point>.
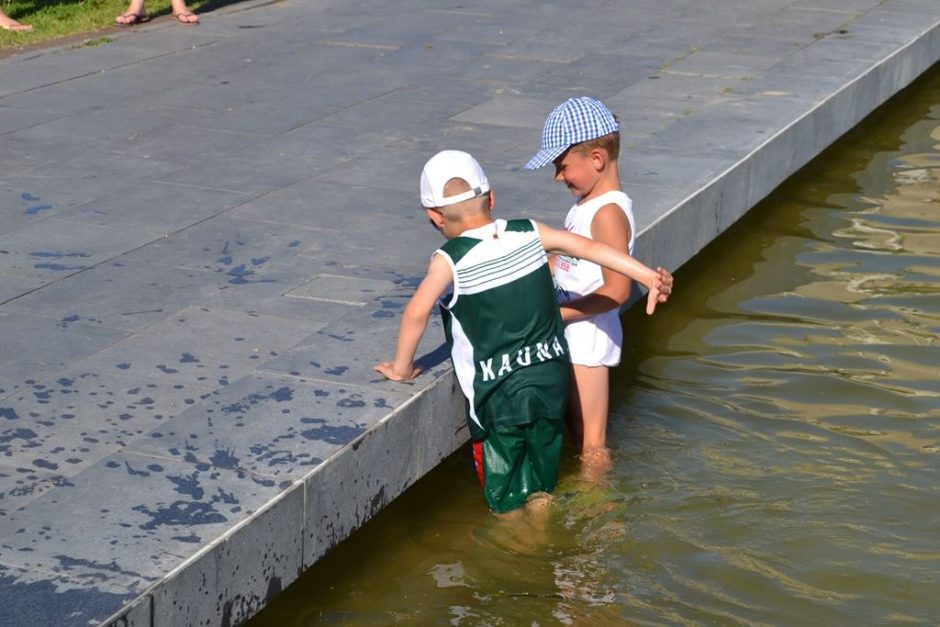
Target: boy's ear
<point>436,217</point>
<point>492,200</point>
<point>599,158</point>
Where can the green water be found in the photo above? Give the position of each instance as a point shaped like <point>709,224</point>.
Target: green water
<point>776,433</point>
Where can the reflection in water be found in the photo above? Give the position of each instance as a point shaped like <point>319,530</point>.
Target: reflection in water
<point>776,433</point>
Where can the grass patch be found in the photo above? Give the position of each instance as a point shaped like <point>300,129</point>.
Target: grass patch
<point>93,43</point>
<point>57,19</point>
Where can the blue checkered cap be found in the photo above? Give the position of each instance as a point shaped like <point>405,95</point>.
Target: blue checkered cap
<point>574,121</point>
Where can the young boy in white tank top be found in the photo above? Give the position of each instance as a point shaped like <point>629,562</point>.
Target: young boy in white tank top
<point>582,139</point>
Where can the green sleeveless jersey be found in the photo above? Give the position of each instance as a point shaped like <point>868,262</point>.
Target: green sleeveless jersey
<point>503,327</point>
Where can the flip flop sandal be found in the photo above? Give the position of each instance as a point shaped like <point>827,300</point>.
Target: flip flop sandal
<point>179,18</point>
<point>133,19</point>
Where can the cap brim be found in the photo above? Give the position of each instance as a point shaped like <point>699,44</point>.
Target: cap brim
<point>544,157</point>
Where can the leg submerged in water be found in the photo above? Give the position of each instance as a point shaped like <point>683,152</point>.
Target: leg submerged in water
<point>587,418</point>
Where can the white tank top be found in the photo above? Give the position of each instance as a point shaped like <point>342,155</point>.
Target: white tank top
<point>594,341</point>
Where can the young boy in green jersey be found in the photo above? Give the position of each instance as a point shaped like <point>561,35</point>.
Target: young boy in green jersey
<point>503,326</point>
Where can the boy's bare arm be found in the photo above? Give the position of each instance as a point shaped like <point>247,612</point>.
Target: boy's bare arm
<point>610,226</point>
<point>414,320</point>
<point>658,281</point>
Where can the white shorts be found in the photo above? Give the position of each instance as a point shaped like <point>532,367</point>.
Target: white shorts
<point>595,341</point>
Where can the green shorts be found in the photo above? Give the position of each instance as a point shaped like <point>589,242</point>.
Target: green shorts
<point>516,461</point>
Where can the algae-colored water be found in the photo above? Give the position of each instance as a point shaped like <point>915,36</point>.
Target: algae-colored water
<point>776,431</point>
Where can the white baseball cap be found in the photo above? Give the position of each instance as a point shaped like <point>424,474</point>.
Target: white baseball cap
<point>447,165</point>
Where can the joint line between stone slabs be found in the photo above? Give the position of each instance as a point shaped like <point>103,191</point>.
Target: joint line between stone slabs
<point>67,47</point>
<point>338,111</point>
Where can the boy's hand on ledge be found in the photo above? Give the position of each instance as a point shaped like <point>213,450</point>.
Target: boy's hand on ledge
<point>660,288</point>
<point>387,368</point>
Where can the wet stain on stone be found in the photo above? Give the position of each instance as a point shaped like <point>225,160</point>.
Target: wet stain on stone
<point>378,501</point>
<point>31,211</point>
<point>188,359</point>
<point>267,483</point>
<point>224,459</point>
<point>192,459</point>
<point>280,395</point>
<point>57,256</point>
<point>166,369</point>
<point>135,473</point>
<point>274,589</point>
<point>42,463</point>
<point>336,370</point>
<point>66,321</point>
<point>68,563</point>
<point>46,603</point>
<point>42,394</point>
<point>188,485</point>
<point>9,413</point>
<point>180,513</point>
<point>329,433</point>
<point>354,400</point>
<point>123,366</point>
<point>241,275</point>
<point>228,498</point>
<point>11,435</point>
<point>190,539</point>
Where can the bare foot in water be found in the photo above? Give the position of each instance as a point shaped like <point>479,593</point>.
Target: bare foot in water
<point>595,463</point>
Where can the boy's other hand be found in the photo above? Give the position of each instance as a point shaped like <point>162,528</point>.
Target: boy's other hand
<point>660,289</point>
<point>387,368</point>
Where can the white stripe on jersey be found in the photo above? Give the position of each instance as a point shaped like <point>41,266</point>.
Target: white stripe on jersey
<point>518,261</point>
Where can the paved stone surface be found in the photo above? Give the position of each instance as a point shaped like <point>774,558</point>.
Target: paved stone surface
<point>207,236</point>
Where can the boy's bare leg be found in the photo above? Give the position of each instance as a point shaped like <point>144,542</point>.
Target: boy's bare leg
<point>182,13</point>
<point>8,23</point>
<point>588,405</point>
<point>136,13</point>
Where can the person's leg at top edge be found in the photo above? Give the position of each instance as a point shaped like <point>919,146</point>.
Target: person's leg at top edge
<point>135,14</point>
<point>183,15</point>
<point>8,23</point>
<point>587,412</point>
